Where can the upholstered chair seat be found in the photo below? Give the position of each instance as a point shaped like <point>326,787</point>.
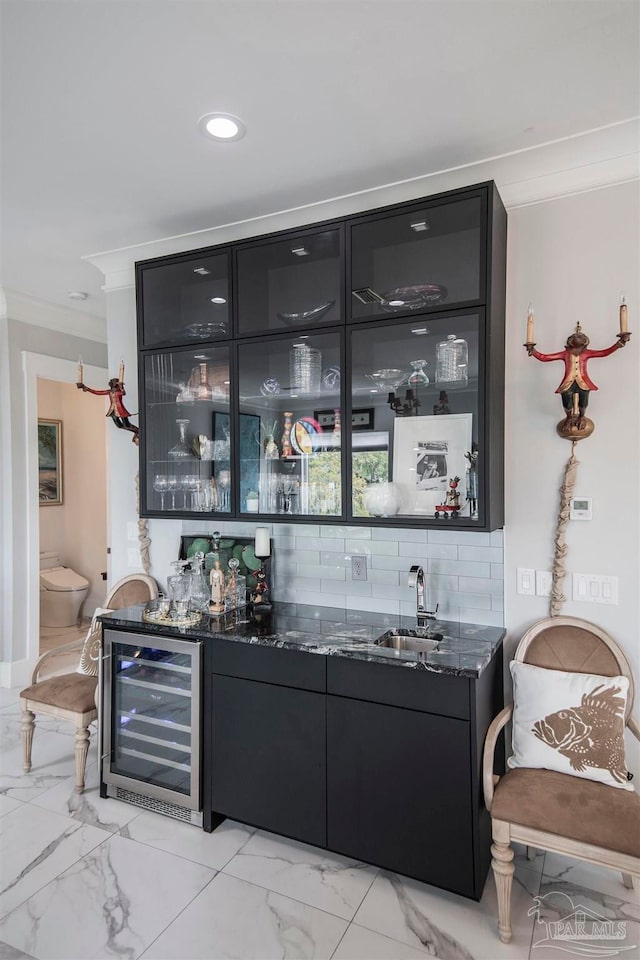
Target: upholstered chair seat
<point>551,810</point>
<point>73,696</point>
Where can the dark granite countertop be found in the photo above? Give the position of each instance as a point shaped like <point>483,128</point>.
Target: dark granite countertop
<point>464,649</point>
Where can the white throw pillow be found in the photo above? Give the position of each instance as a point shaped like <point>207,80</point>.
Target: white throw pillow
<point>569,722</point>
<point>90,656</point>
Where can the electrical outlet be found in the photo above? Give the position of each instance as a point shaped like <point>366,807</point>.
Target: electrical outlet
<point>359,567</point>
<point>132,530</point>
<point>543,583</point>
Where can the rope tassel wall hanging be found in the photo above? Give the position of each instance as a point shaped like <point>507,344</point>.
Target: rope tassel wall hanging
<point>574,391</point>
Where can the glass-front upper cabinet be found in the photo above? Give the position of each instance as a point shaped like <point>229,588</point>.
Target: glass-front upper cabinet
<point>417,415</point>
<point>418,259</point>
<point>186,431</point>
<point>290,438</point>
<point>184,299</point>
<point>290,284</point>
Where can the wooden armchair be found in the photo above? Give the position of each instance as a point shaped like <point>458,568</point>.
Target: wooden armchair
<point>555,811</point>
<point>72,696</point>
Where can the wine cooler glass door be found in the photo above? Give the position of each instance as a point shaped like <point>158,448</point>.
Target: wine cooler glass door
<point>152,717</point>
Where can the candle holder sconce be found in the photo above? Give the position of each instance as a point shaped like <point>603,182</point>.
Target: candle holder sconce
<point>576,383</point>
<point>407,408</point>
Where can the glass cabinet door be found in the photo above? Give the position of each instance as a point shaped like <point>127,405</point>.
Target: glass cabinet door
<point>186,434</point>
<point>416,260</point>
<point>290,284</point>
<point>183,300</point>
<point>290,443</point>
<point>417,410</point>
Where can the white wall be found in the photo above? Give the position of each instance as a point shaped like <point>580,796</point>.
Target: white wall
<point>77,528</point>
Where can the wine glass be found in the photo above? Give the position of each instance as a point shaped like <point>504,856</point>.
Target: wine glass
<point>161,485</point>
<point>172,488</point>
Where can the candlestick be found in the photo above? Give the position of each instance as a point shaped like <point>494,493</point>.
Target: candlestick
<point>624,317</point>
<point>530,324</point>
<point>121,370</point>
<point>263,542</point>
<point>80,371</point>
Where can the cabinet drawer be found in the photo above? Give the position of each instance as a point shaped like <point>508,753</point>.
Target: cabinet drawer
<point>399,687</point>
<point>287,668</point>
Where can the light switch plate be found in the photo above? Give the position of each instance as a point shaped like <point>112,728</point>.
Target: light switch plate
<point>526,581</point>
<point>133,557</point>
<point>592,588</point>
<point>132,530</point>
<point>543,583</point>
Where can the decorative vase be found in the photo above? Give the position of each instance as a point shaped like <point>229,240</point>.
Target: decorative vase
<point>204,390</point>
<point>181,449</point>
<point>271,449</point>
<point>287,450</point>
<point>381,499</point>
<point>337,424</point>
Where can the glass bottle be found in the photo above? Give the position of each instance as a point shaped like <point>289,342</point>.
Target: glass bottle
<point>181,448</point>
<point>305,366</point>
<point>204,390</point>
<point>452,358</point>
<point>199,588</point>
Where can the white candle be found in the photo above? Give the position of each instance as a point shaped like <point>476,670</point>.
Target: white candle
<point>121,370</point>
<point>530,324</point>
<point>80,370</point>
<point>624,317</point>
<point>263,542</point>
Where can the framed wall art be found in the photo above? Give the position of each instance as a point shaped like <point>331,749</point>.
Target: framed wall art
<point>50,462</point>
<point>427,452</point>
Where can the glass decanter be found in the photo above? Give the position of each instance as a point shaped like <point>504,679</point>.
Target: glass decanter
<point>204,390</point>
<point>181,448</point>
<point>199,587</point>
<point>452,357</point>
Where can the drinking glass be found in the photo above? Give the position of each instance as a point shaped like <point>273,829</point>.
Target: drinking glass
<point>161,486</point>
<point>172,488</point>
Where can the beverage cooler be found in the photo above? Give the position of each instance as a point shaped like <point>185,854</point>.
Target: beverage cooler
<point>151,709</point>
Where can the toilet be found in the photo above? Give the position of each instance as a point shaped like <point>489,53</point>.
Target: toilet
<point>62,592</point>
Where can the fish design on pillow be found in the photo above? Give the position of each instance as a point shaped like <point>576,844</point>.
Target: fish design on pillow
<point>590,735</point>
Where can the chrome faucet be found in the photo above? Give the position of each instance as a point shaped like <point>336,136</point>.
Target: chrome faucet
<point>416,579</point>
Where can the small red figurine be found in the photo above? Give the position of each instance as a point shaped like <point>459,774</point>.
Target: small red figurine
<point>451,506</point>
<point>117,410</point>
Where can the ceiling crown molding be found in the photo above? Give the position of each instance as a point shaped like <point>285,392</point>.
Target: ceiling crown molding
<point>41,313</point>
<point>583,162</point>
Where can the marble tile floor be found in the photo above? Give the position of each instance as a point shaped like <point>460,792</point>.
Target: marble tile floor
<point>52,637</point>
<point>82,877</point>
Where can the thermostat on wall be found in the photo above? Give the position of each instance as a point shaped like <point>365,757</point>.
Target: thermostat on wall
<point>580,508</point>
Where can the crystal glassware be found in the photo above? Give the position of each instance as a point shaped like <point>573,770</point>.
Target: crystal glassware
<point>452,358</point>
<point>161,486</point>
<point>181,449</point>
<point>203,390</point>
<point>418,376</point>
<point>305,367</point>
<point>172,488</point>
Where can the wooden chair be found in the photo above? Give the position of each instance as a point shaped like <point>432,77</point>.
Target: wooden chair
<point>72,696</point>
<point>555,811</point>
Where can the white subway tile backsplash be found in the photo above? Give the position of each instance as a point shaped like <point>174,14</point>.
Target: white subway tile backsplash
<point>328,573</point>
<point>382,548</point>
<point>466,568</point>
<point>322,543</point>
<point>356,533</point>
<point>298,556</point>
<point>484,554</point>
<point>374,606</point>
<point>312,565</point>
<point>355,588</point>
<point>296,530</point>
<point>399,533</point>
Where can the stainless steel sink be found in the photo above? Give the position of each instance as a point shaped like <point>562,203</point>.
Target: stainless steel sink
<point>414,641</point>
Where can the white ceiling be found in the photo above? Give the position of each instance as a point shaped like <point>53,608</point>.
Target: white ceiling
<point>101,100</point>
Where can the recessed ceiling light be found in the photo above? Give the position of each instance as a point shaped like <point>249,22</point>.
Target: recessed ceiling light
<point>226,382</point>
<point>396,303</point>
<point>300,251</point>
<point>373,391</point>
<point>201,356</point>
<point>293,396</point>
<point>218,300</point>
<point>305,336</point>
<point>202,271</point>
<point>78,295</point>
<point>420,225</point>
<point>222,126</point>
<point>419,330</point>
